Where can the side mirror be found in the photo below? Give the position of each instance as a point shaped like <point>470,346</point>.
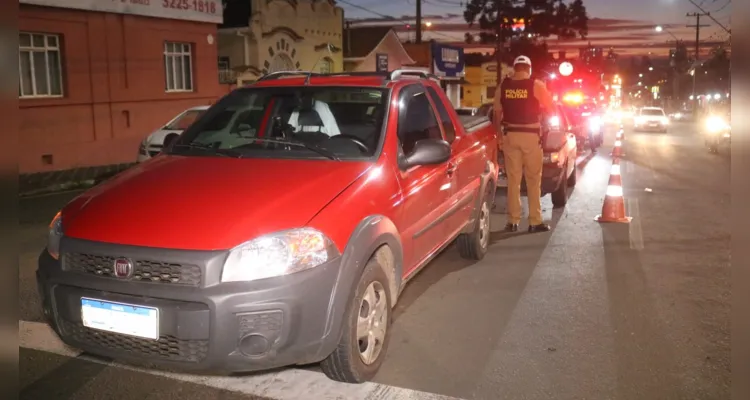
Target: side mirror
<point>169,140</point>
<point>428,152</point>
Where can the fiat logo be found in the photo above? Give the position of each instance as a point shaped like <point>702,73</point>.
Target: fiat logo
<point>123,268</point>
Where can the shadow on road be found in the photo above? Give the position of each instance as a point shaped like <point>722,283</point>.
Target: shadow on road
<point>646,366</point>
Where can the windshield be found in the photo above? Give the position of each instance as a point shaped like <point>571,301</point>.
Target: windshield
<point>185,119</point>
<point>652,112</point>
<point>290,122</point>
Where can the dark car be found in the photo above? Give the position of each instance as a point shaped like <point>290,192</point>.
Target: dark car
<point>560,153</point>
<point>287,239</point>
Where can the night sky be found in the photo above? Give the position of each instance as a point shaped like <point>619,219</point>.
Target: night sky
<point>626,25</point>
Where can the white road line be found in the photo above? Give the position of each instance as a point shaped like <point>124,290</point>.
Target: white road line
<point>636,233</point>
<point>290,384</point>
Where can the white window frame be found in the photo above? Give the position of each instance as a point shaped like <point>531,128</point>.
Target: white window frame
<point>184,53</point>
<point>46,50</point>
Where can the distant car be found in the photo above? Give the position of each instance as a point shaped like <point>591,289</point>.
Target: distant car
<point>651,119</point>
<point>154,142</point>
<point>683,115</point>
<point>560,153</point>
<point>587,124</point>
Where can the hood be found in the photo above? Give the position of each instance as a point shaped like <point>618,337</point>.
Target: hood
<point>206,203</point>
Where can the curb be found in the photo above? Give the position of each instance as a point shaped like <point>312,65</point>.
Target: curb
<point>60,187</point>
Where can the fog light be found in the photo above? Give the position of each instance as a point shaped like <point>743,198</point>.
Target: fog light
<point>254,345</point>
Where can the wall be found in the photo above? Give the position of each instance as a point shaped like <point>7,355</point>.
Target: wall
<point>114,80</point>
<point>397,56</point>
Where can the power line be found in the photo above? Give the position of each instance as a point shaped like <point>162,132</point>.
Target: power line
<point>365,9</point>
<point>708,14</point>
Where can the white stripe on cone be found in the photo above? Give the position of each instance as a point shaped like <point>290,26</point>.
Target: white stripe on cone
<point>614,191</point>
<point>615,169</point>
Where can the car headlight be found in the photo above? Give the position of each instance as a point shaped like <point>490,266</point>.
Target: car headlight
<point>639,120</point>
<point>278,254</point>
<point>715,124</point>
<point>142,148</point>
<point>595,123</point>
<point>54,236</point>
<point>664,120</point>
<point>554,121</point>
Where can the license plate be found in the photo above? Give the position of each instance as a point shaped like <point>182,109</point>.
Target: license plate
<point>126,319</point>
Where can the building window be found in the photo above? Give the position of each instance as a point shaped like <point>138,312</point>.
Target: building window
<point>326,66</point>
<point>178,65</point>
<point>39,66</point>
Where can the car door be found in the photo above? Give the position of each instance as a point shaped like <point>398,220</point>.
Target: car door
<point>426,189</point>
<point>468,162</point>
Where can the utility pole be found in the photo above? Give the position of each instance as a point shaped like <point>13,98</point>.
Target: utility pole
<point>419,22</point>
<point>697,27</point>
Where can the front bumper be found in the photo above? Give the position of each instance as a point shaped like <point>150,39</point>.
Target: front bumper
<point>203,324</point>
<point>648,126</point>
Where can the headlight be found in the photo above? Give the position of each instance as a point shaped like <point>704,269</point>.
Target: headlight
<point>715,124</point>
<point>54,235</point>
<point>639,120</point>
<point>277,254</point>
<point>595,123</point>
<point>142,148</point>
<point>665,121</point>
<point>554,121</point>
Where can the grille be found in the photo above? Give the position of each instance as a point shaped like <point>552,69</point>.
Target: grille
<point>143,270</point>
<point>267,323</point>
<point>166,348</point>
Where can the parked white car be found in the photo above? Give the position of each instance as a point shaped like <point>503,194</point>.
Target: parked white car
<point>153,143</point>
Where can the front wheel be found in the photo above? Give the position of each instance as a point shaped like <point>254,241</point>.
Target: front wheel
<point>474,245</point>
<point>364,342</point>
<point>560,196</point>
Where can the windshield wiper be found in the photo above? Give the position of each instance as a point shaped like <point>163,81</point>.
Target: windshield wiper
<point>323,152</point>
<point>207,148</point>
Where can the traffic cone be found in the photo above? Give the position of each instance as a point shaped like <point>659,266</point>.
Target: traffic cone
<point>617,150</point>
<point>613,209</point>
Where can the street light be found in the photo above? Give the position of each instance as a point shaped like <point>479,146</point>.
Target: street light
<point>650,68</point>
<point>661,29</point>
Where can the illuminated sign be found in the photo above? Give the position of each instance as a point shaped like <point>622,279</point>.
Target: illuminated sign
<point>189,10</point>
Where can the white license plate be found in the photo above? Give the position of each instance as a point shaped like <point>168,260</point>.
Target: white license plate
<point>126,319</point>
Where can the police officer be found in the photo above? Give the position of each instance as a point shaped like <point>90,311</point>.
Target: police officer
<point>518,108</point>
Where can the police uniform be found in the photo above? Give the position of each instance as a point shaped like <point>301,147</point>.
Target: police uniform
<point>519,102</point>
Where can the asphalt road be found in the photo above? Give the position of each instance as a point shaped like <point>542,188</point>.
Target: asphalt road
<point>613,311</point>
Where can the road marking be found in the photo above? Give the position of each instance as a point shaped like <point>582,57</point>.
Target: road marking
<point>289,384</point>
<point>636,233</point>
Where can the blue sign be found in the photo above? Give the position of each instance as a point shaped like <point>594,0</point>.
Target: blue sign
<point>447,61</point>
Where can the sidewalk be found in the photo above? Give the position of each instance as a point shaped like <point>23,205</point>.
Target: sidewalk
<point>69,179</point>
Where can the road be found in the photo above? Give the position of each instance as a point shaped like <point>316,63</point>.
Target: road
<point>613,311</point>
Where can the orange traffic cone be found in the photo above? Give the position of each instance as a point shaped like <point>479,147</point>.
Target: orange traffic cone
<point>617,150</point>
<point>613,209</point>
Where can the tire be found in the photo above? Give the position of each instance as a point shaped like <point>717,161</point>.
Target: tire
<point>474,245</point>
<point>573,178</point>
<point>346,363</point>
<point>560,196</point>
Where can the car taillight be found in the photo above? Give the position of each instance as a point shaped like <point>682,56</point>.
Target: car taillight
<point>551,158</point>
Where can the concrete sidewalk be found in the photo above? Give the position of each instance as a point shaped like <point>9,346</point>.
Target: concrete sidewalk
<point>69,179</point>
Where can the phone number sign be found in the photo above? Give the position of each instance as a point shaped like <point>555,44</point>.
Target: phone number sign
<point>189,10</point>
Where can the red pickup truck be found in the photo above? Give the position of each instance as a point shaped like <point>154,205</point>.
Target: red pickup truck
<point>291,215</point>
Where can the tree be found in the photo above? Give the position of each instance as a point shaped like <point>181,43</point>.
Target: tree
<point>540,18</point>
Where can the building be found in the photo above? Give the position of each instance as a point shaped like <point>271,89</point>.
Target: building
<point>481,77</point>
<point>280,35</point>
<point>444,61</point>
<point>374,48</point>
<point>93,84</point>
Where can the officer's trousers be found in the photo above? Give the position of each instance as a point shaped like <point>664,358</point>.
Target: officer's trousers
<point>524,158</point>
